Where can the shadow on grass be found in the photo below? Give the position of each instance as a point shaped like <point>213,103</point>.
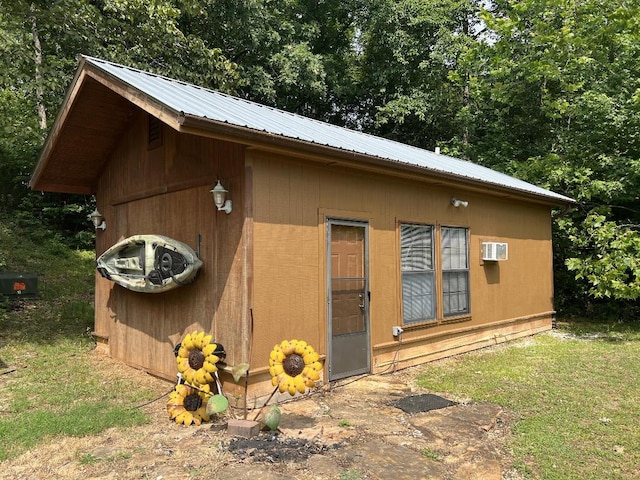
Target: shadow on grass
<point>45,322</point>
<point>613,331</point>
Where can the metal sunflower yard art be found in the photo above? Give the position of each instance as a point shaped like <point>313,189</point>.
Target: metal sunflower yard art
<point>294,366</point>
<point>193,402</point>
<point>196,359</point>
<point>188,405</point>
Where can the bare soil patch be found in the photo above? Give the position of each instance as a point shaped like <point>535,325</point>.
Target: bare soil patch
<point>354,429</point>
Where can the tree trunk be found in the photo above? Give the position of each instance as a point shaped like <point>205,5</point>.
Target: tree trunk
<point>42,113</point>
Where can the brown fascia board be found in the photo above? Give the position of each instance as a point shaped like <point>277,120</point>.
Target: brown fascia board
<point>141,100</point>
<point>334,156</point>
<point>62,188</point>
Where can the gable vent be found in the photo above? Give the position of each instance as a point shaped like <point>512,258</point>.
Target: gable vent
<point>155,132</point>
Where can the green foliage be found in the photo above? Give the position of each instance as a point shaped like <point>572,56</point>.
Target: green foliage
<point>413,82</point>
<point>610,259</point>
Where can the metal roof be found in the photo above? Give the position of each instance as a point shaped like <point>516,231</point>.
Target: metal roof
<point>190,100</point>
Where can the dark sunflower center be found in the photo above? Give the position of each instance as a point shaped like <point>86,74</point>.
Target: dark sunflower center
<point>196,359</point>
<point>293,365</point>
<point>192,402</point>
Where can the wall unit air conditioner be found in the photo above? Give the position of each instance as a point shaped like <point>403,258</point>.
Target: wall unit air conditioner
<point>495,251</point>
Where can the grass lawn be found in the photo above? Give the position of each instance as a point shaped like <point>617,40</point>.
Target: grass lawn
<point>574,390</point>
<point>49,384</point>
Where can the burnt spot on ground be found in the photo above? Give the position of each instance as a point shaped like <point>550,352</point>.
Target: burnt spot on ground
<point>274,448</point>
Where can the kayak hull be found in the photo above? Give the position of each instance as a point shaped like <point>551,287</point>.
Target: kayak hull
<point>149,264</point>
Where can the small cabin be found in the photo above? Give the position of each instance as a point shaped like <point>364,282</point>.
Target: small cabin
<point>378,254</point>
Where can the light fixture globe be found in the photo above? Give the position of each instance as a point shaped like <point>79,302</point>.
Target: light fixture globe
<point>97,220</point>
<point>219,198</point>
<point>459,203</point>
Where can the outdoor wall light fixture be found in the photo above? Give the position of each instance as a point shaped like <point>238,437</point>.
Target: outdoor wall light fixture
<point>459,203</point>
<point>98,220</point>
<point>220,198</point>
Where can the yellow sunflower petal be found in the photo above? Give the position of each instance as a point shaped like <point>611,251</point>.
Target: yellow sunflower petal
<point>199,377</point>
<point>209,349</point>
<point>300,384</point>
<point>187,342</point>
<point>210,367</point>
<point>174,410</point>
<point>202,412</point>
<point>212,359</point>
<point>189,375</point>
<point>300,346</point>
<point>183,352</point>
<point>180,417</point>
<point>188,418</point>
<point>288,347</point>
<point>292,389</point>
<point>283,385</point>
<point>206,340</point>
<point>183,390</point>
<point>310,358</point>
<point>183,364</point>
<point>200,339</point>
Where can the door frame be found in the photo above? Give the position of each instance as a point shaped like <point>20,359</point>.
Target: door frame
<point>364,224</point>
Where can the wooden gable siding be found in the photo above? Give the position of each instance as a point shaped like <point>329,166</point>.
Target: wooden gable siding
<point>88,127</point>
<point>292,200</point>
<point>165,191</point>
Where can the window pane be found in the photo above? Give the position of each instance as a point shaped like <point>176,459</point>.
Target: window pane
<point>418,299</point>
<point>418,280</point>
<point>455,271</point>
<point>455,293</point>
<point>416,247</point>
<point>454,248</point>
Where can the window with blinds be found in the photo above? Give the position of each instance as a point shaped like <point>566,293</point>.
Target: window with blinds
<point>418,276</point>
<point>455,271</point>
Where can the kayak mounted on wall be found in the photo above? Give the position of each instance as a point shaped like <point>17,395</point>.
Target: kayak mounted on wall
<point>149,263</point>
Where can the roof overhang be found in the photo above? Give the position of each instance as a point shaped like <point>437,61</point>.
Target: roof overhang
<point>90,121</point>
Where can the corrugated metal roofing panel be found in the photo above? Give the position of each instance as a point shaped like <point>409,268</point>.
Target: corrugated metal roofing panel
<point>191,100</point>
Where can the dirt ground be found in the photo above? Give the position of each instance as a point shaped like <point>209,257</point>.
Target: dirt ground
<point>371,427</point>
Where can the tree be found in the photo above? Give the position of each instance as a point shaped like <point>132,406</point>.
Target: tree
<point>41,40</point>
<point>557,104</point>
<point>414,86</point>
<point>291,54</point>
